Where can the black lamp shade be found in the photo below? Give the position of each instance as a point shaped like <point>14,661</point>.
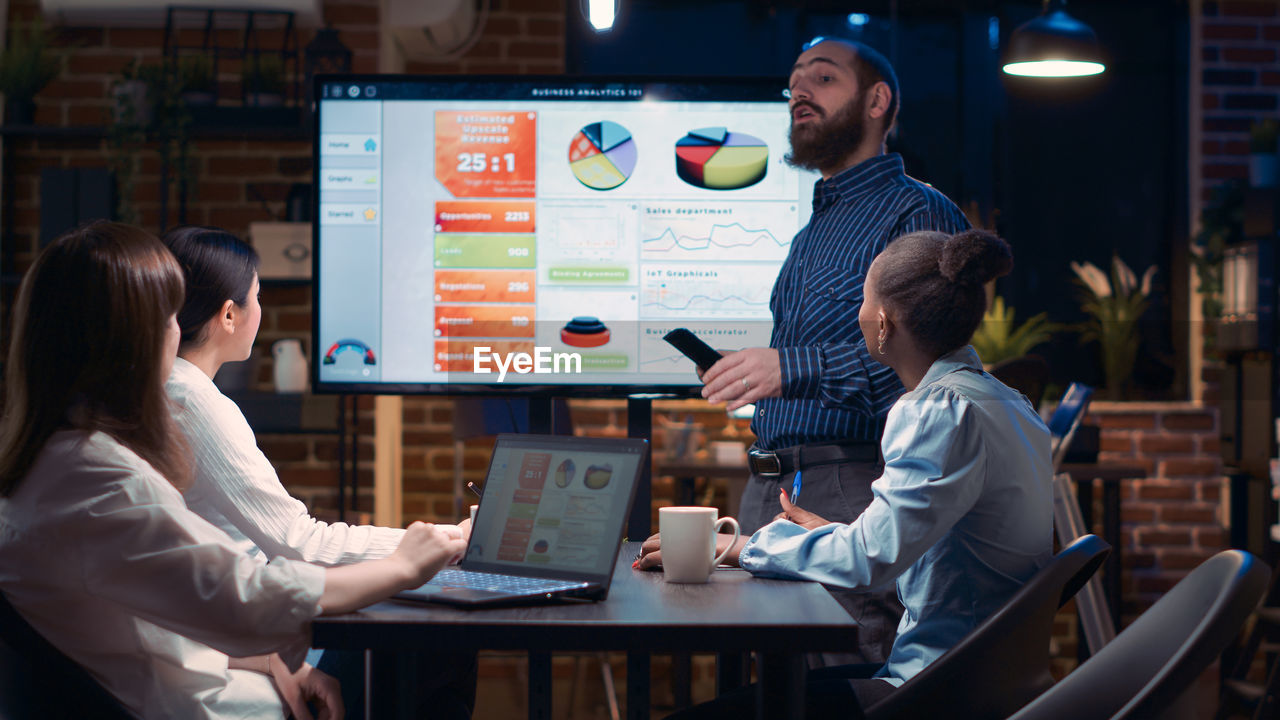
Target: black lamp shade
<point>1066,45</point>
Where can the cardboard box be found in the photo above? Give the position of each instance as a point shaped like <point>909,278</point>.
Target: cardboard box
<point>285,249</point>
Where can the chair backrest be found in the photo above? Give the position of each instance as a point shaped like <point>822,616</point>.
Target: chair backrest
<point>41,682</point>
<point>1004,663</point>
<point>1095,615</point>
<point>1028,374</point>
<point>1153,661</point>
<point>1066,418</point>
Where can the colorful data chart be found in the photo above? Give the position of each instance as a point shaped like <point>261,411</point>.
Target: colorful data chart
<point>602,155</point>
<point>718,159</point>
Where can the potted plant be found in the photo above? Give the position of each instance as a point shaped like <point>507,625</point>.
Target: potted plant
<point>1264,163</point>
<point>1114,304</point>
<point>263,80</point>
<point>1221,225</point>
<point>132,101</point>
<point>998,338</point>
<point>27,64</point>
<point>138,106</point>
<point>196,80</point>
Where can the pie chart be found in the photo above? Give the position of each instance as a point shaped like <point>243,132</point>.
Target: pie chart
<point>719,159</point>
<point>602,155</point>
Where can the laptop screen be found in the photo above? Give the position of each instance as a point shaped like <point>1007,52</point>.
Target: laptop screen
<point>554,505</point>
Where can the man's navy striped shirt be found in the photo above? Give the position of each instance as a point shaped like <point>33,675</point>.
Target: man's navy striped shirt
<point>832,391</point>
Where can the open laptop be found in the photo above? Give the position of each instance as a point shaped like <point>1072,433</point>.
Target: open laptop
<point>549,525</point>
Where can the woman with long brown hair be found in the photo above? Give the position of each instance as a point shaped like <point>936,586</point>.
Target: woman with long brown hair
<point>99,552</point>
<point>234,485</point>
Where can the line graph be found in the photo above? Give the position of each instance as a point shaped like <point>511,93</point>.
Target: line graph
<point>733,235</point>
<point>658,357</point>
<point>708,291</point>
<point>751,232</point>
<point>677,301</point>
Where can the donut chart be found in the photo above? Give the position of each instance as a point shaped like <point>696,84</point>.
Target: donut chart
<point>602,155</point>
<point>584,332</point>
<point>716,158</point>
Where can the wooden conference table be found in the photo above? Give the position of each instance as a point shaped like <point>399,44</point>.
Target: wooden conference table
<point>731,615</point>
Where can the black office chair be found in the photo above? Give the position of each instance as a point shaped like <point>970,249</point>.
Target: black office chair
<point>38,681</point>
<point>1153,661</point>
<point>1028,374</point>
<point>1004,663</point>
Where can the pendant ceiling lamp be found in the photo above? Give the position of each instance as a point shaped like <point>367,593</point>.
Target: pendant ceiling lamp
<point>600,14</point>
<point>1053,45</point>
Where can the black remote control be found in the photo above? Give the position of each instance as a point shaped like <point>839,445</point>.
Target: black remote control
<point>702,354</point>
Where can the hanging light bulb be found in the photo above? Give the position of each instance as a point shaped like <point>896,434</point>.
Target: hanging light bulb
<point>600,13</point>
<point>1054,45</point>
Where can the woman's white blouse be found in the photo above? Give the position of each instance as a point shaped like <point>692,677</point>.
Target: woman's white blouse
<point>237,489</point>
<point>101,555</point>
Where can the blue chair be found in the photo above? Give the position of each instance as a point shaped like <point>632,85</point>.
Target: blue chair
<point>1068,521</point>
<point>1153,661</point>
<point>1066,419</point>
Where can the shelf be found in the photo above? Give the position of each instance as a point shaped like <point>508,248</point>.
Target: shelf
<point>54,132</point>
<point>198,132</point>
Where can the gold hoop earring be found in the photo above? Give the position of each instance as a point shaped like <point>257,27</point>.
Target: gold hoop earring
<point>881,348</point>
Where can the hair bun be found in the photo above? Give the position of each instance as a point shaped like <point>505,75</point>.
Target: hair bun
<point>975,257</point>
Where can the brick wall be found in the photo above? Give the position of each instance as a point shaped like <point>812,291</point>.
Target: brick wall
<point>1171,520</point>
<point>244,180</point>
<point>1240,83</point>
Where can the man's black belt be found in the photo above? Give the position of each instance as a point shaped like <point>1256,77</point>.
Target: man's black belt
<point>775,463</point>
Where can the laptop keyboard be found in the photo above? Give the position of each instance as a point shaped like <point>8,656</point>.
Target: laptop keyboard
<point>514,584</point>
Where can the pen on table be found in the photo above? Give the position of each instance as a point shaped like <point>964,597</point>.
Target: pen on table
<point>795,488</point>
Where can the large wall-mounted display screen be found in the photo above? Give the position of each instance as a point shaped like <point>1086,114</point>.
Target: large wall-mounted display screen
<point>485,234</point>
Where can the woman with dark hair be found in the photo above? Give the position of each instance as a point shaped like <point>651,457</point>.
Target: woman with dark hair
<point>234,485</point>
<point>99,552</point>
<point>962,515</point>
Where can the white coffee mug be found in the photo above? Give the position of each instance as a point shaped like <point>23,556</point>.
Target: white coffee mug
<point>689,542</point>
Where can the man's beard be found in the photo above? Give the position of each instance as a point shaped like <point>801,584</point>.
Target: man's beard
<point>825,144</point>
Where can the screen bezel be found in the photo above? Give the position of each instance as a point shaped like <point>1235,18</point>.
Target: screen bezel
<point>751,89</point>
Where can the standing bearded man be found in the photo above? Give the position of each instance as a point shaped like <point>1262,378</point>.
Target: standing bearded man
<point>820,399</point>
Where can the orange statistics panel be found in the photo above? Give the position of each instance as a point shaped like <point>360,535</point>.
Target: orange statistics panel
<point>528,497</point>
<point>487,154</point>
<point>500,286</point>
<point>533,471</point>
<point>485,216</point>
<point>484,320</point>
<point>459,355</point>
<point>521,525</point>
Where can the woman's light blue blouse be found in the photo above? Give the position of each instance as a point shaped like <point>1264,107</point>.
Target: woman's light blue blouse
<point>961,517</point>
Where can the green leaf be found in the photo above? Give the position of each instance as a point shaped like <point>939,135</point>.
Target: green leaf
<point>998,338</point>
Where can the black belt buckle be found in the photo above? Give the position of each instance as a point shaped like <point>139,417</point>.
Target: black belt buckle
<point>764,463</point>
